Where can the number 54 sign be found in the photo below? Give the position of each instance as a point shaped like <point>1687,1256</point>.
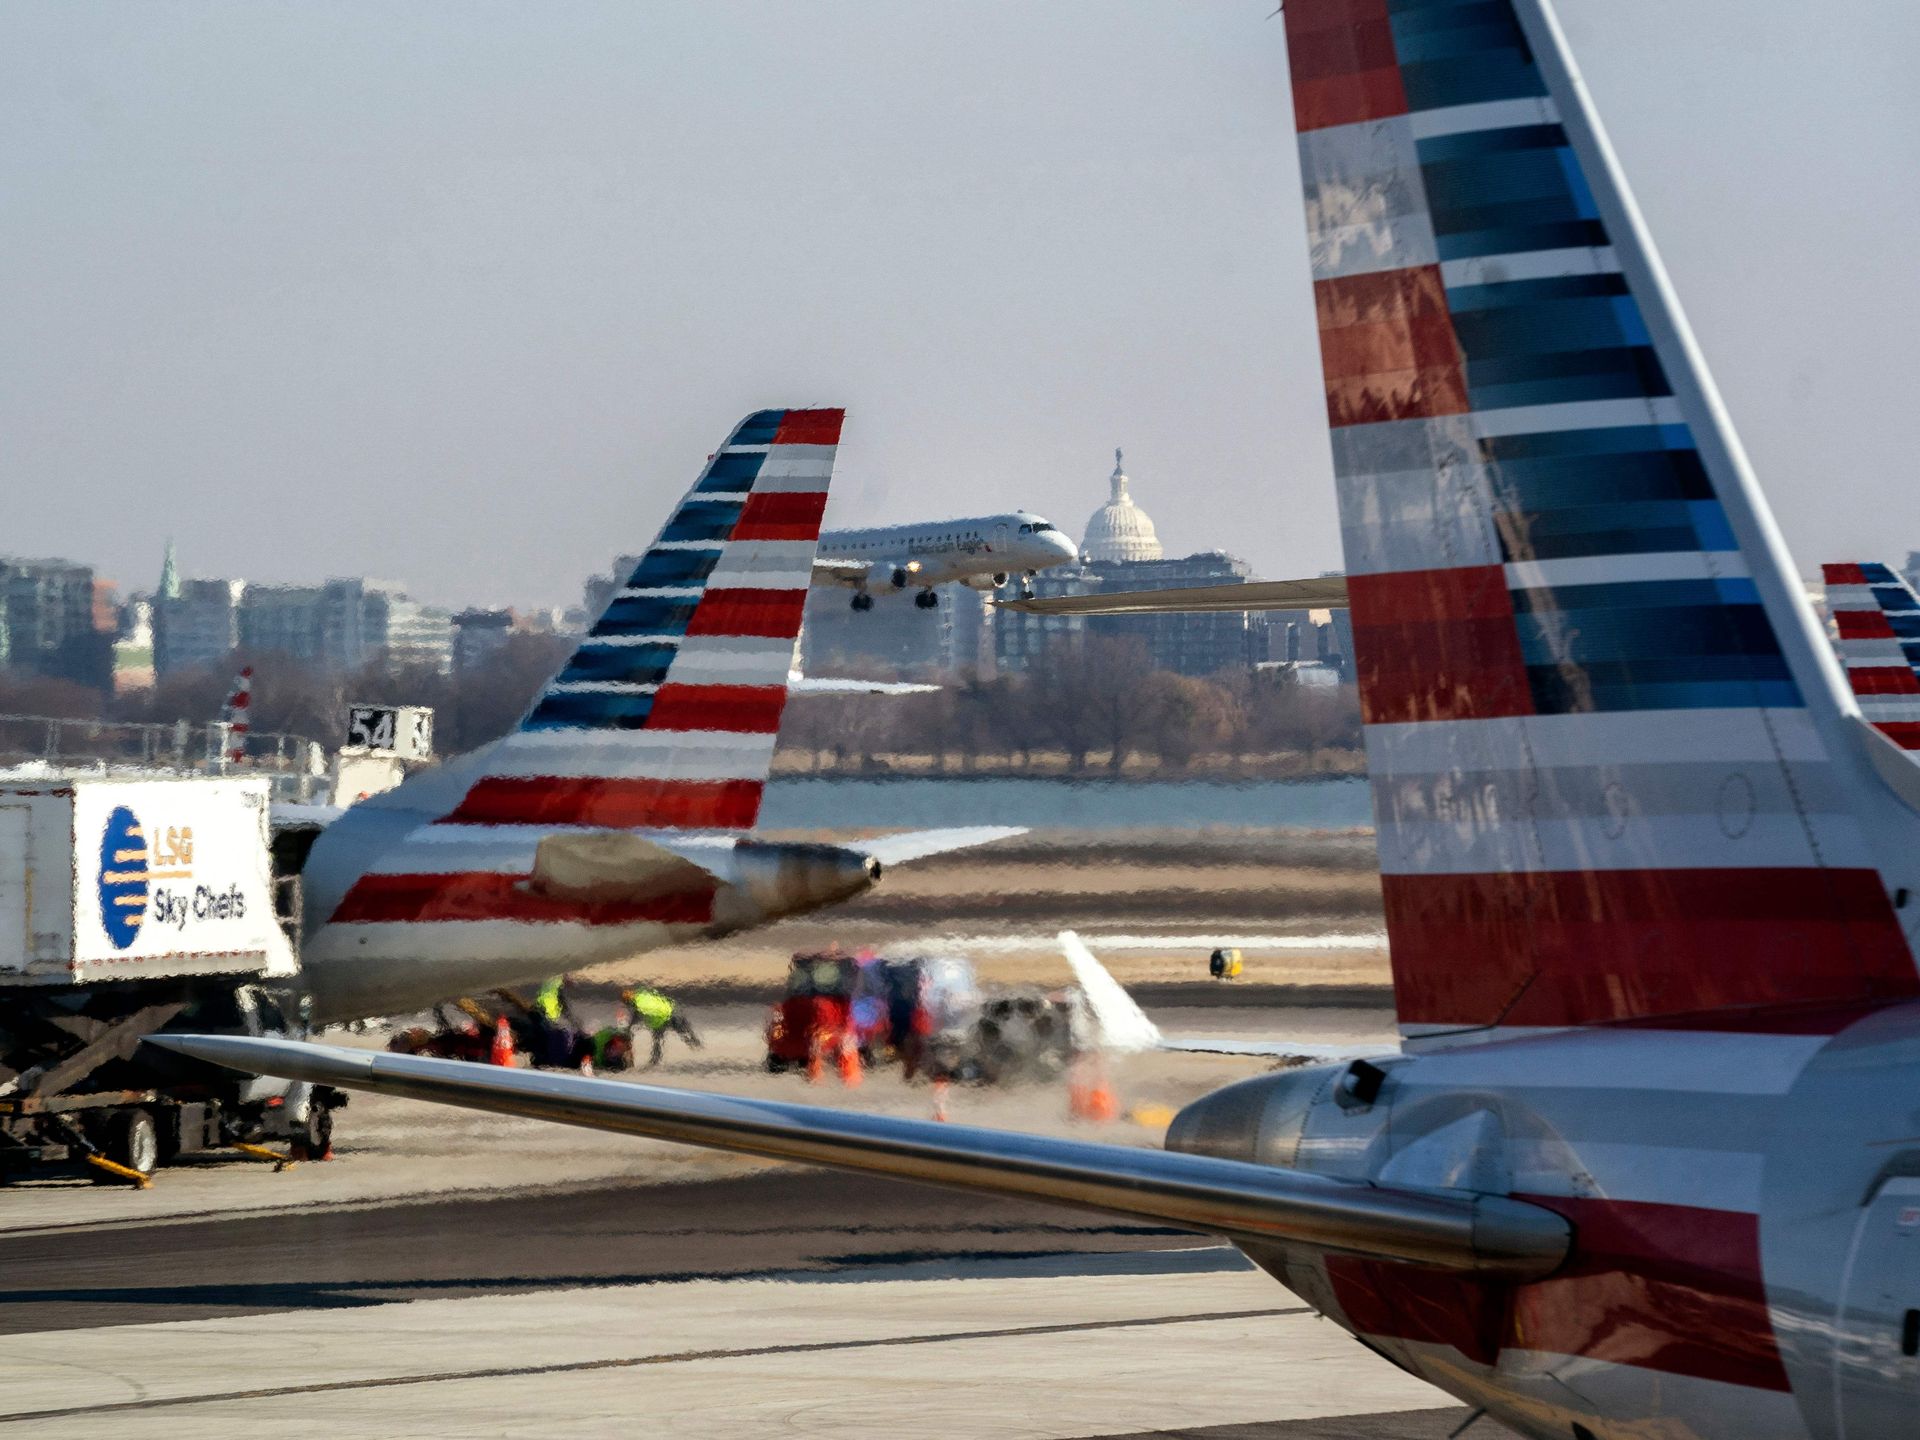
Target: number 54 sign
<point>403,730</point>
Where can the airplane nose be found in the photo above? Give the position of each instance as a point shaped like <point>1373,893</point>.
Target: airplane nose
<point>1063,547</point>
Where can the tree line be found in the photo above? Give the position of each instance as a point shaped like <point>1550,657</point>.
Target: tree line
<point>1100,708</point>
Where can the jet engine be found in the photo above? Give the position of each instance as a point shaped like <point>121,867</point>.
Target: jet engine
<point>884,574</point>
<point>985,582</point>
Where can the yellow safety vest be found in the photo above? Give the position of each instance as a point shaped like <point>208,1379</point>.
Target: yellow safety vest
<point>652,1007</point>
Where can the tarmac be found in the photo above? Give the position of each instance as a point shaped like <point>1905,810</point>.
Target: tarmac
<point>467,1274</point>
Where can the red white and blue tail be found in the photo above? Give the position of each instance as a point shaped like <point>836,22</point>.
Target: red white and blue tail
<point>1877,618</point>
<point>1613,771</point>
<point>665,717</point>
<point>663,721</point>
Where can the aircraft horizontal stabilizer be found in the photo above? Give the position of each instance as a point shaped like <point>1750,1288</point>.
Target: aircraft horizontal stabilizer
<point>1123,1026</point>
<point>799,684</point>
<point>918,844</point>
<point>1328,592</point>
<point>1462,1232</point>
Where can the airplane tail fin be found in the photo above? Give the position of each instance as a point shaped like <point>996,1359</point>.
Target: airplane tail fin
<point>663,720</point>
<point>666,715</point>
<point>1614,772</point>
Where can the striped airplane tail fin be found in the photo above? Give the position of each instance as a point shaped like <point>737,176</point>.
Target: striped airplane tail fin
<point>1876,619</point>
<point>666,716</point>
<point>1614,775</point>
<point>662,721</point>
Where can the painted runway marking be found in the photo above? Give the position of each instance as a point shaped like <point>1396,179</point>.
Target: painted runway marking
<point>681,1357</point>
<point>1009,944</point>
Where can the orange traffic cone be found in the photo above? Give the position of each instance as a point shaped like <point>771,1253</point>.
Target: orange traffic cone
<point>502,1042</point>
<point>816,1058</point>
<point>1089,1095</point>
<point>940,1100</point>
<point>850,1075</point>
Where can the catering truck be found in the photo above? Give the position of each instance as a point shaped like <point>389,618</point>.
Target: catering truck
<point>129,905</point>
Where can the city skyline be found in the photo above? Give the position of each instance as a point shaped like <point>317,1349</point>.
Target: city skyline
<point>463,302</point>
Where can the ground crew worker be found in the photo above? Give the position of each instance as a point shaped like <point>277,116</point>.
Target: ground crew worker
<point>659,1015</point>
<point>559,1026</point>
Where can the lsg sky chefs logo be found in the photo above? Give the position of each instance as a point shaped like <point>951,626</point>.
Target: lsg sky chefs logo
<point>123,877</point>
<point>148,881</point>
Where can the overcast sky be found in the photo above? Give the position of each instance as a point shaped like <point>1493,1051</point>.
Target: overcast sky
<point>462,294</point>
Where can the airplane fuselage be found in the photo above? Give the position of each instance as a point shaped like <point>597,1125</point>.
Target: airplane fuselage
<point>984,551</point>
<point>1745,1210</point>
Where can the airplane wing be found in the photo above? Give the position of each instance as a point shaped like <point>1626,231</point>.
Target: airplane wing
<point>1325,593</point>
<point>1479,1234</point>
<point>1123,1026</point>
<point>838,572</point>
<point>918,844</point>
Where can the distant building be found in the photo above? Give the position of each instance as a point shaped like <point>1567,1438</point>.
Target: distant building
<point>1187,643</point>
<point>49,621</point>
<point>345,624</point>
<point>410,632</point>
<point>477,634</point>
<point>283,620</point>
<point>1192,644</point>
<point>198,626</point>
<point>1119,531</point>
<point>1020,639</point>
<point>196,623</point>
<point>1306,637</point>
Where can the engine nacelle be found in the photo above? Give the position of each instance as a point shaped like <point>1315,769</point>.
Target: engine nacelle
<point>885,575</point>
<point>985,582</point>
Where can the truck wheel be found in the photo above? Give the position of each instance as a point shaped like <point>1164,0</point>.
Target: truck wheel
<point>133,1141</point>
<point>775,1065</point>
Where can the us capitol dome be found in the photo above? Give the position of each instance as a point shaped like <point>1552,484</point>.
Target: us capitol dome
<point>1120,529</point>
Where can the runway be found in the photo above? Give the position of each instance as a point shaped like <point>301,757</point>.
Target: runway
<point>472,1275</point>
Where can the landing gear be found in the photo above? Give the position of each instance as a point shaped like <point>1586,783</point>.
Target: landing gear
<point>1026,584</point>
<point>863,601</point>
<point>927,600</point>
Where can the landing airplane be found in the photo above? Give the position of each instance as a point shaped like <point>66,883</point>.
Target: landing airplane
<point>1646,1162</point>
<point>984,552</point>
<point>617,817</point>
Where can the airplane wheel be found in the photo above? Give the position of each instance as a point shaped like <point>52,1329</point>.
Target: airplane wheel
<point>927,600</point>
<point>863,602</point>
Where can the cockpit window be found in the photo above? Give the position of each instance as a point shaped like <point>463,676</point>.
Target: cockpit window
<point>1026,529</point>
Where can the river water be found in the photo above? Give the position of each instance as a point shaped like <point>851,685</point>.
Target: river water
<point>807,802</point>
